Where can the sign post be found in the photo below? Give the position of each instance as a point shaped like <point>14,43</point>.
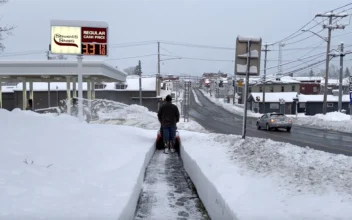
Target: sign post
<point>247,62</point>
<point>350,104</point>
<point>81,38</point>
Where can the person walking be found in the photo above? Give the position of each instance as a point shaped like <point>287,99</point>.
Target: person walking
<point>168,116</point>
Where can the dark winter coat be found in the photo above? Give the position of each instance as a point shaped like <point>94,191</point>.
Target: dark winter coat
<point>168,114</point>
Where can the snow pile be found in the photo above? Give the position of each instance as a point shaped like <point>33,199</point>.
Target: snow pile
<point>257,178</point>
<point>54,167</point>
<point>196,98</point>
<point>335,121</point>
<point>229,106</point>
<point>135,115</point>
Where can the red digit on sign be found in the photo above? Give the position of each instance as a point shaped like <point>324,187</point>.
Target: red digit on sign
<point>102,50</point>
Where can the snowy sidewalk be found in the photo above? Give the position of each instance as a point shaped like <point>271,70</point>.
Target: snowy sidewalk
<point>166,193</point>
<point>262,179</point>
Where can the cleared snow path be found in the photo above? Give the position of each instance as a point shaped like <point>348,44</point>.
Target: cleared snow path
<point>168,192</point>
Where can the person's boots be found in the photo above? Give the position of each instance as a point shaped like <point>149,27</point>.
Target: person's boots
<point>166,145</point>
<point>172,146</point>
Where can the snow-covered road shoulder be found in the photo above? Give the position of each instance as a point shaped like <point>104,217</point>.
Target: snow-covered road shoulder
<point>54,167</point>
<point>258,178</point>
<point>334,121</point>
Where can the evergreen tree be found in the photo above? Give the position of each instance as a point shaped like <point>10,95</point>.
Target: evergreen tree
<point>347,72</point>
<point>311,73</point>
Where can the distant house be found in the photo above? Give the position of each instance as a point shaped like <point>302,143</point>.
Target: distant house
<point>333,84</point>
<point>309,85</point>
<point>313,104</point>
<point>272,85</point>
<point>125,92</point>
<point>274,102</point>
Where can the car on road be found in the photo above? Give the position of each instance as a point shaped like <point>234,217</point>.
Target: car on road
<point>274,121</point>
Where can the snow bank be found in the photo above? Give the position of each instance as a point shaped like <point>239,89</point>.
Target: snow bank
<point>196,98</point>
<point>138,116</point>
<point>258,179</point>
<point>335,121</point>
<point>54,167</point>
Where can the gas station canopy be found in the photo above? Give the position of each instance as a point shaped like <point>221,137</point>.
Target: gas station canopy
<point>57,71</point>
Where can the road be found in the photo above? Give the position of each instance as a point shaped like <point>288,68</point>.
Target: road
<point>218,120</point>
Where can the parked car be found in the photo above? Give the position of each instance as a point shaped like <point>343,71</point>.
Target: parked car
<point>274,121</point>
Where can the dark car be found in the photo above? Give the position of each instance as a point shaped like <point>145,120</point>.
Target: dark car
<point>274,121</point>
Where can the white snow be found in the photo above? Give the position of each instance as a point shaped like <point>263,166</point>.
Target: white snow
<point>138,116</point>
<point>148,83</point>
<point>249,38</point>
<point>275,96</point>
<point>83,171</point>
<point>7,89</point>
<point>262,179</point>
<point>79,23</point>
<point>335,121</point>
<point>320,98</point>
<point>242,68</point>
<point>196,98</point>
<point>132,82</point>
<point>58,168</point>
<point>254,54</point>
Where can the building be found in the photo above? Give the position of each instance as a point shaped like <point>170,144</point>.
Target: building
<point>309,85</point>
<point>272,85</point>
<point>282,102</point>
<point>125,92</point>
<point>333,84</point>
<point>313,104</point>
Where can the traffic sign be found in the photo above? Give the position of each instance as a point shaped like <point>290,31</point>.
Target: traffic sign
<point>248,51</point>
<point>351,98</point>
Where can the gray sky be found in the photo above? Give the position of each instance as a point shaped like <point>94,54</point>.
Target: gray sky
<point>213,23</point>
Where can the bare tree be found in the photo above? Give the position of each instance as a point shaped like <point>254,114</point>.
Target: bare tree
<point>131,70</point>
<point>4,30</point>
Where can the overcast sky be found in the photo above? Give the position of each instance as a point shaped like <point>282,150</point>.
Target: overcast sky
<point>213,23</point>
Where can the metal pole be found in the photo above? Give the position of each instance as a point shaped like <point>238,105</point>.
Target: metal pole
<point>80,87</point>
<point>48,94</point>
<point>140,89</point>
<point>327,67</point>
<point>264,80</point>
<point>246,90</point>
<point>158,76</point>
<point>340,80</point>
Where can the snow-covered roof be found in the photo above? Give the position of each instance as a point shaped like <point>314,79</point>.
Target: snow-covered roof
<point>345,81</point>
<point>320,98</point>
<point>275,96</point>
<point>272,80</point>
<point>79,23</point>
<point>7,89</point>
<point>148,83</point>
<point>308,78</point>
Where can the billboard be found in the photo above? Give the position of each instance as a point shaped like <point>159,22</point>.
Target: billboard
<point>79,38</point>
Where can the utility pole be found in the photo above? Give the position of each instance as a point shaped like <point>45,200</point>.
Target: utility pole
<point>158,76</point>
<point>140,82</point>
<point>340,80</point>
<point>264,78</point>
<point>330,27</point>
<point>280,69</point>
